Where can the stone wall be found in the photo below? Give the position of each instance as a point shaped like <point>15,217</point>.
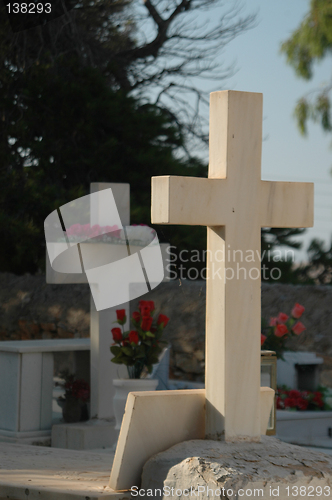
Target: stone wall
<point>31,309</point>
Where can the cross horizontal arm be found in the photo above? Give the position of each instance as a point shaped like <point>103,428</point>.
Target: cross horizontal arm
<point>189,200</point>
<point>287,204</point>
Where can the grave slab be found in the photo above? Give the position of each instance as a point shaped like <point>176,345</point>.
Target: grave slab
<point>269,469</point>
<point>42,473</point>
<point>175,416</point>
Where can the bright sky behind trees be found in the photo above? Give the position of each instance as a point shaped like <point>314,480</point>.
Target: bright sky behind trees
<point>262,68</point>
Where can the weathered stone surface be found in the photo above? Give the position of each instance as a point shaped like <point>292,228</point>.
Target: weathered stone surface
<point>38,472</point>
<point>30,308</point>
<point>238,468</point>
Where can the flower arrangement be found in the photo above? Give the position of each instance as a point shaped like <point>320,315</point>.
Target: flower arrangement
<point>294,400</point>
<point>280,328</point>
<point>137,234</point>
<point>140,347</point>
<point>75,388</point>
<point>74,402</point>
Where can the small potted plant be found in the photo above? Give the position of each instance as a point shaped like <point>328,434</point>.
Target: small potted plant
<point>74,402</point>
<point>138,349</point>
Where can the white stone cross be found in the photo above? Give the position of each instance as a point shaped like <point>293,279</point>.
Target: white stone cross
<point>102,371</point>
<point>234,203</point>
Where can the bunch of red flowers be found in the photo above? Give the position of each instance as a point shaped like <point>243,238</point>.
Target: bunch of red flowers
<point>292,399</point>
<point>139,347</point>
<point>280,328</point>
<point>76,388</point>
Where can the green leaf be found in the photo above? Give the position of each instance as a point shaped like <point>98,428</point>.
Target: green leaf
<point>117,361</point>
<point>301,113</point>
<point>154,360</point>
<point>127,350</point>
<point>115,350</point>
<point>150,334</point>
<point>140,352</point>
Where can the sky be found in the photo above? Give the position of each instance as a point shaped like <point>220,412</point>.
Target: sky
<point>260,66</point>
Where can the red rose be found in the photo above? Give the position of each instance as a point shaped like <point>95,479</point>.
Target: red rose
<point>302,404</point>
<point>280,330</point>
<point>273,322</point>
<point>282,318</point>
<point>298,328</point>
<point>294,393</point>
<point>146,324</point>
<point>146,307</point>
<point>162,320</point>
<point>280,403</point>
<point>136,316</point>
<point>263,338</point>
<point>290,402</point>
<point>121,315</point>
<point>133,337</point>
<point>297,311</point>
<point>117,335</point>
<point>318,399</point>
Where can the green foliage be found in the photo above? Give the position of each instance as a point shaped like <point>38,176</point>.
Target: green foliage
<point>301,114</point>
<point>62,129</point>
<point>312,40</point>
<point>275,266</point>
<point>319,268</point>
<point>309,43</point>
<point>67,119</point>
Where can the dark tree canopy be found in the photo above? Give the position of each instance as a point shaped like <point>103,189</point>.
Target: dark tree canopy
<point>154,48</point>
<point>82,99</point>
<point>62,130</point>
<point>78,104</point>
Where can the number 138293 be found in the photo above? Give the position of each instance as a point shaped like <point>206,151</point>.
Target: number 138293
<point>29,8</point>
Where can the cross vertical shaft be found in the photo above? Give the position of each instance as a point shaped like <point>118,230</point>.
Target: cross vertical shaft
<point>232,374</point>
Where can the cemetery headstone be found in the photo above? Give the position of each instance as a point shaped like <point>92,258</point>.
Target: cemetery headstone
<point>234,203</point>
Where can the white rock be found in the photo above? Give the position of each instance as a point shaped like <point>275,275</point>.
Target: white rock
<point>240,468</point>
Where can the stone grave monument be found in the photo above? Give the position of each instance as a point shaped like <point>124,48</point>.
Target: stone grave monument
<point>234,203</point>
<point>99,430</point>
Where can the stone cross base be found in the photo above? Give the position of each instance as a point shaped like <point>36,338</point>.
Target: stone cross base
<point>273,468</point>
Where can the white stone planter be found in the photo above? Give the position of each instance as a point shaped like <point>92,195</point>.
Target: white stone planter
<point>123,387</point>
<point>305,427</point>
